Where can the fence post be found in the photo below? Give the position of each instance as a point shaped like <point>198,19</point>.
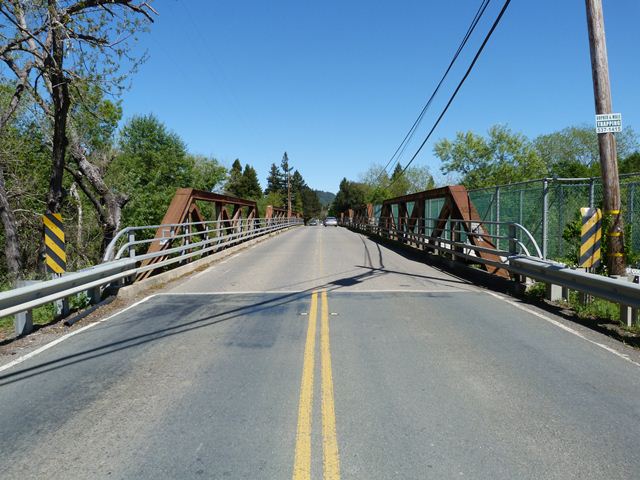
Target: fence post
<point>592,193</point>
<point>513,250</point>
<point>513,245</point>
<point>630,192</point>
<point>497,230</point>
<point>545,216</point>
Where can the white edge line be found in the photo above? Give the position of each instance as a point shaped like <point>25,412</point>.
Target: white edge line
<point>55,342</point>
<point>564,327</point>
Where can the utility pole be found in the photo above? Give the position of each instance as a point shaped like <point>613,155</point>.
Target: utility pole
<point>606,141</point>
<point>288,195</point>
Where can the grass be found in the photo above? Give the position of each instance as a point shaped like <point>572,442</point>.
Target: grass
<point>595,308</point>
<point>44,314</point>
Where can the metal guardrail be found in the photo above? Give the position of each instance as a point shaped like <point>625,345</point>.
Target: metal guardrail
<point>521,265</point>
<point>90,280</point>
<point>612,289</point>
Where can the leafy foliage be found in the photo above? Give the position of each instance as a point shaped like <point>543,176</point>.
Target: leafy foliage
<point>379,186</point>
<point>502,157</point>
<point>153,162</point>
<point>350,195</point>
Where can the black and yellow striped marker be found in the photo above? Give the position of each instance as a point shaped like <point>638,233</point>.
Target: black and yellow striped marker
<point>590,237</point>
<point>55,255</point>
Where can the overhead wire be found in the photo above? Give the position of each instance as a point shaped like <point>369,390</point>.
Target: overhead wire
<point>453,96</point>
<point>405,141</point>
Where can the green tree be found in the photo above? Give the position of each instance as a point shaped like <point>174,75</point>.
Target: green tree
<point>206,172</point>
<point>54,48</point>
<point>311,207</point>
<point>24,169</point>
<point>234,185</point>
<point>274,199</point>
<point>502,157</point>
<point>380,187</point>
<point>297,186</point>
<point>574,152</point>
<point>250,184</point>
<point>630,164</point>
<point>274,181</point>
<point>350,195</point>
<point>153,162</point>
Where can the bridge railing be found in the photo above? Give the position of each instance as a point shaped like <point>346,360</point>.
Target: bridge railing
<point>125,242</point>
<point>117,271</point>
<point>454,240</point>
<point>520,263</point>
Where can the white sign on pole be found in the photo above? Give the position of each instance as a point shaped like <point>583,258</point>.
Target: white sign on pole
<point>609,123</point>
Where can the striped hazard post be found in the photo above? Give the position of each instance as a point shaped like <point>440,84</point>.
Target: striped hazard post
<point>590,237</point>
<point>55,255</point>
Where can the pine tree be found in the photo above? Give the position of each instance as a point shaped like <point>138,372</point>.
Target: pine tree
<point>297,186</point>
<point>286,176</point>
<point>250,184</point>
<point>397,172</point>
<point>274,181</point>
<point>311,207</point>
<point>234,182</point>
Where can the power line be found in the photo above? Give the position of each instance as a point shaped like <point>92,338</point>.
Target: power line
<point>405,141</point>
<point>453,96</point>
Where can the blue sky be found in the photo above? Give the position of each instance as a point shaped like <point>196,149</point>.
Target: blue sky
<point>338,84</point>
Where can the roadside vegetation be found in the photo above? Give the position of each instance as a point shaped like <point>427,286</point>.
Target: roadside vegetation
<point>66,148</point>
<point>501,157</point>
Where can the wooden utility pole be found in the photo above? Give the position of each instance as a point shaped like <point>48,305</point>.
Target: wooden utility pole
<point>606,141</point>
<point>288,195</point>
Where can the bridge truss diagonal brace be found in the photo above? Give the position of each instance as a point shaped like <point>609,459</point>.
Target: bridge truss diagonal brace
<point>457,209</point>
<point>183,209</point>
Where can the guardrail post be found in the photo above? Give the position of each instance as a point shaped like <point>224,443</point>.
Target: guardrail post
<point>132,248</point>
<point>553,292</point>
<point>94,295</point>
<point>23,321</point>
<point>62,308</point>
<point>628,315</point>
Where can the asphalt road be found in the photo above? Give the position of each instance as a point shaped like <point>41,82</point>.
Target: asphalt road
<point>320,354</point>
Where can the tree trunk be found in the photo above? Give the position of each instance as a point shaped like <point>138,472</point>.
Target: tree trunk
<point>61,103</point>
<point>11,245</point>
<point>108,204</point>
<point>73,191</point>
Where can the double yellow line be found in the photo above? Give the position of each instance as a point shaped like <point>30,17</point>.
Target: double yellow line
<point>331,459</point>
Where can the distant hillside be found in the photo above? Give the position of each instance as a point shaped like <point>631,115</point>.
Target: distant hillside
<point>325,197</point>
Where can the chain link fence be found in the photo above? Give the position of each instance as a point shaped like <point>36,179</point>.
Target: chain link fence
<point>546,206</point>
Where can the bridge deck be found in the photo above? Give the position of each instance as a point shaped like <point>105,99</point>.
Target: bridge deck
<point>411,373</point>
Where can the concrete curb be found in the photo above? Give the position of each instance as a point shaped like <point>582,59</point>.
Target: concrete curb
<point>132,291</point>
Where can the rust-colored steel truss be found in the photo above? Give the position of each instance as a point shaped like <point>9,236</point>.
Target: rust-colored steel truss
<point>229,211</point>
<point>457,209</point>
<point>275,212</point>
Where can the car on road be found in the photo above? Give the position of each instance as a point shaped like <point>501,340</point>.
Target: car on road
<point>330,222</point>
<point>313,222</point>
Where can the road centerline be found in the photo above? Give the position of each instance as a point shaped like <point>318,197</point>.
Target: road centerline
<point>302,462</point>
<point>331,463</point>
